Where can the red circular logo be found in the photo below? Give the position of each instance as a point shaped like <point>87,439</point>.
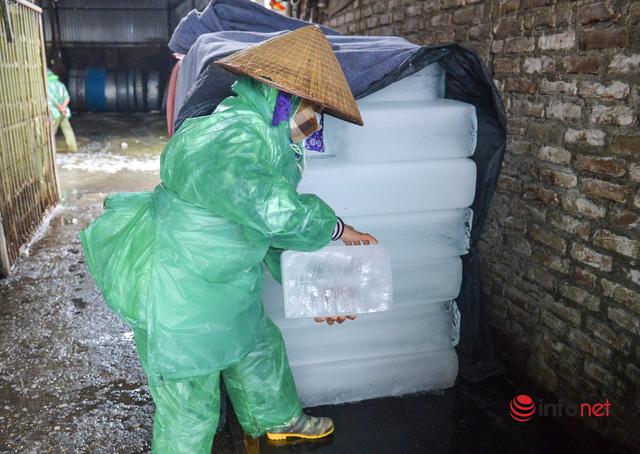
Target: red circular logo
<point>522,408</point>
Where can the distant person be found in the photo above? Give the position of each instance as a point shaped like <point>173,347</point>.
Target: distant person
<point>60,112</point>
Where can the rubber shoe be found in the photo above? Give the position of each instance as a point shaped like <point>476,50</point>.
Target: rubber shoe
<point>307,427</point>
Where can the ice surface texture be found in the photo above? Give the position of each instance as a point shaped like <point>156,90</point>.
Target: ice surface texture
<point>338,280</point>
<point>424,85</point>
<point>406,178</point>
<point>443,128</point>
<point>393,187</point>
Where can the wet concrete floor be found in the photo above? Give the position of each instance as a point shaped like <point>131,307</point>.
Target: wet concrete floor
<point>70,380</point>
<point>468,418</point>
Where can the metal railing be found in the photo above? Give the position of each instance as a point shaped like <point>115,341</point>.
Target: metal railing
<point>28,183</point>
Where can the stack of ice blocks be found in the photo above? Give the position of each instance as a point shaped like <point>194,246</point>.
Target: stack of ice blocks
<point>406,178</point>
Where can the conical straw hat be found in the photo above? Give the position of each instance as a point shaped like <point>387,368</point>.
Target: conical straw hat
<point>302,63</point>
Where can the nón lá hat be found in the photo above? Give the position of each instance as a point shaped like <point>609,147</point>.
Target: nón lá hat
<point>300,62</point>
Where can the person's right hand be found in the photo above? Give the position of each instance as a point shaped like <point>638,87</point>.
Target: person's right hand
<point>331,320</point>
<point>351,237</point>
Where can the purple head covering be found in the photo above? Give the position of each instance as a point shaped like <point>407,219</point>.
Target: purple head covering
<point>282,112</point>
<point>282,109</point>
<point>315,140</point>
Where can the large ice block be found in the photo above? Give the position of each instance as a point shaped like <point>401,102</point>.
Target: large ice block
<point>443,128</point>
<point>421,235</point>
<point>336,280</point>
<point>397,187</point>
<point>415,283</point>
<point>426,281</point>
<point>367,378</point>
<point>424,85</point>
<point>430,327</point>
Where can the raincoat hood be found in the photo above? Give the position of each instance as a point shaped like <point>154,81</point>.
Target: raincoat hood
<point>261,96</point>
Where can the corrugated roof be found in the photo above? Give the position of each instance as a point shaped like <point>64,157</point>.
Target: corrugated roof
<point>112,21</point>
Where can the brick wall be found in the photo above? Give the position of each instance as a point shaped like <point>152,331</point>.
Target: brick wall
<point>562,246</point>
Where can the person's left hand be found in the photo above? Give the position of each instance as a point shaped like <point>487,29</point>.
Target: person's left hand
<point>331,320</point>
<point>352,237</point>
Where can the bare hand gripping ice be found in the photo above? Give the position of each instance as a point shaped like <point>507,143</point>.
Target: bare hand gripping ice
<point>336,280</point>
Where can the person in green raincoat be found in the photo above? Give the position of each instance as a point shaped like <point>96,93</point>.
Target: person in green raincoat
<point>183,265</point>
<point>59,108</point>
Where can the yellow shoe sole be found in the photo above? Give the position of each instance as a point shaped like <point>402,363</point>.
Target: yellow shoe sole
<point>275,436</point>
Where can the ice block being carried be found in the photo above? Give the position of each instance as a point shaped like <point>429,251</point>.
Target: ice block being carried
<point>336,280</point>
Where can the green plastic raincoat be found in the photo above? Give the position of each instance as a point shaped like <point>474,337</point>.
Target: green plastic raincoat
<point>58,93</point>
<point>184,264</point>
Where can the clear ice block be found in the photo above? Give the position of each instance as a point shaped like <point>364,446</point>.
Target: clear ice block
<point>426,281</point>
<point>397,187</point>
<point>406,330</point>
<point>336,280</point>
<point>440,129</point>
<point>421,235</point>
<point>424,85</point>
<point>368,378</point>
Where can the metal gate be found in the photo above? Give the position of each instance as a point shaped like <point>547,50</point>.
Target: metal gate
<point>28,184</point>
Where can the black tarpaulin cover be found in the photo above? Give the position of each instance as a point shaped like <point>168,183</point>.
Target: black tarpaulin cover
<point>370,64</point>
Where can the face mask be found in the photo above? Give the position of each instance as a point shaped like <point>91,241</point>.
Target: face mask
<point>304,122</point>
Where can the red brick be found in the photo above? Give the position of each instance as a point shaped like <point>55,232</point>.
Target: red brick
<point>594,12</point>
<point>570,224</point>
<point>520,86</point>
<point>464,16</point>
<point>556,155</point>
<point>626,146</point>
<point>583,65</point>
<point>507,6</point>
<point>621,64</point>
<point>605,39</point>
<point>506,65</point>
<point>593,137</point>
<point>534,191</point>
<point>563,179</point>
<point>558,41</point>
<point>613,115</point>
<point>548,239</point>
<point>617,243</point>
<point>603,189</point>
<point>528,108</point>
<point>591,257</point>
<point>553,87</point>
<point>584,277</point>
<point>574,202</point>
<point>619,217</point>
<point>621,294</point>
<point>604,165</point>
<point>615,90</point>
<point>519,45</point>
